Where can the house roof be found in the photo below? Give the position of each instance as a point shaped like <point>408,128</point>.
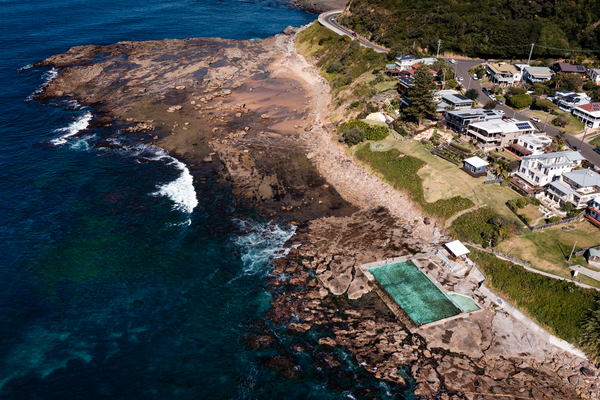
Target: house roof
<point>538,71</point>
<point>457,248</point>
<point>562,187</point>
<point>584,177</point>
<point>593,252</point>
<point>566,67</point>
<point>476,113</point>
<point>404,58</point>
<point>536,139</point>
<point>570,155</point>
<point>502,69</point>
<point>504,126</point>
<point>456,98</point>
<point>476,162</point>
<point>590,107</point>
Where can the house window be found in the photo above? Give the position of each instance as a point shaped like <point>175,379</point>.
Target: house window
<point>523,170</point>
<point>537,178</point>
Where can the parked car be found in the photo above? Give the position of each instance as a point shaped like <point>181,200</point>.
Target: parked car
<point>535,119</point>
<point>499,102</point>
<point>452,61</point>
<point>501,112</point>
<point>597,149</point>
<point>460,78</point>
<point>475,78</point>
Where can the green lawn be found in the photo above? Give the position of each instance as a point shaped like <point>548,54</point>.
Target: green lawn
<point>381,86</point>
<point>548,249</point>
<point>574,126</point>
<point>442,180</point>
<point>595,141</point>
<point>532,211</point>
<point>558,306</point>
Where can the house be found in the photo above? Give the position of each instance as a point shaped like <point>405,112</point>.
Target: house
<point>589,114</point>
<point>580,187</point>
<point>426,60</point>
<point>594,74</point>
<point>568,68</point>
<point>537,74</point>
<point>456,248</point>
<point>404,84</point>
<point>594,213</point>
<point>475,166</point>
<point>392,70</point>
<point>531,145</point>
<point>404,62</point>
<point>592,256</point>
<point>493,134</point>
<point>459,120</point>
<point>567,100</point>
<point>503,74</point>
<point>454,100</point>
<point>541,169</point>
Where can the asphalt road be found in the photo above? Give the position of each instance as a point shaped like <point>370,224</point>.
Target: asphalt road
<point>461,68</point>
<point>329,21</point>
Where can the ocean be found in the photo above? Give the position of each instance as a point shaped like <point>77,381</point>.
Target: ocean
<point>118,280</point>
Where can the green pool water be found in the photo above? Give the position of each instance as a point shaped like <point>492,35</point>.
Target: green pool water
<point>418,296</point>
<point>465,302</point>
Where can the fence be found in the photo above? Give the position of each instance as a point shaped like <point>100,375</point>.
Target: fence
<point>563,222</point>
<point>503,255</point>
<point>492,181</point>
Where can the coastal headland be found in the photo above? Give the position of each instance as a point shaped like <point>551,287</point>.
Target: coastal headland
<point>254,115</point>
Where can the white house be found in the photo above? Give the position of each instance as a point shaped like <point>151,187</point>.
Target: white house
<point>503,74</point>
<point>589,114</point>
<point>404,62</point>
<point>459,120</point>
<point>580,187</point>
<point>426,60</point>
<point>541,169</point>
<point>567,100</point>
<point>594,74</point>
<point>531,145</point>
<point>493,134</point>
<point>537,74</point>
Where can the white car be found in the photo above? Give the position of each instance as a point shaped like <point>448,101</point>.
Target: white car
<point>535,119</point>
<point>460,78</point>
<point>475,78</point>
<point>501,112</point>
<point>452,61</point>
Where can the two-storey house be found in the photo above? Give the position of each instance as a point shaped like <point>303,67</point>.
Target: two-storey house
<point>567,100</point>
<point>580,187</point>
<point>541,169</point>
<point>589,114</point>
<point>404,62</point>
<point>459,120</point>
<point>537,74</point>
<point>503,75</point>
<point>493,134</point>
<point>594,74</point>
<point>531,145</point>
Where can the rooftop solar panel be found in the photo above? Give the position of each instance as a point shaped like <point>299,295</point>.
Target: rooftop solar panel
<point>460,96</point>
<point>596,107</point>
<point>580,68</point>
<point>523,125</point>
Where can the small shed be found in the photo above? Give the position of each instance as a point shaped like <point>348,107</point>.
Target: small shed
<point>593,257</point>
<point>456,248</point>
<point>475,167</point>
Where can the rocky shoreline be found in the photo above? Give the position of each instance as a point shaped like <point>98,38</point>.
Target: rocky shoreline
<point>252,116</point>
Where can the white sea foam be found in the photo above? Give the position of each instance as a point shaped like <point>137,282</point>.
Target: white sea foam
<point>79,124</point>
<point>181,190</point>
<point>28,66</point>
<point>262,243</point>
<point>48,76</point>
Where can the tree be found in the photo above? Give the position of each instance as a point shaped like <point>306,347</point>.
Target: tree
<point>353,136</point>
<point>451,83</point>
<point>490,105</point>
<point>521,101</point>
<point>420,96</point>
<point>590,336</point>
<point>545,104</point>
<point>561,121</point>
<point>472,94</point>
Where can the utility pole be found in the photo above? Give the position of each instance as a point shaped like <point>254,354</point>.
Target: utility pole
<point>570,255</point>
<point>530,53</point>
<point>547,116</point>
<point>584,133</point>
<point>438,52</point>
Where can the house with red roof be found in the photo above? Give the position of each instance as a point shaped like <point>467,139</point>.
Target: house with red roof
<point>589,114</point>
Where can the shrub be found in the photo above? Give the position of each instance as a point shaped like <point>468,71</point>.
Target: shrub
<point>561,121</point>
<point>545,104</point>
<point>354,104</point>
<point>472,94</point>
<point>568,207</point>
<point>353,136</point>
<point>490,105</point>
<point>335,67</point>
<point>521,101</point>
<point>525,219</point>
<point>372,132</point>
<point>536,202</point>
<point>589,338</point>
<point>560,306</point>
<point>517,90</point>
<point>554,219</point>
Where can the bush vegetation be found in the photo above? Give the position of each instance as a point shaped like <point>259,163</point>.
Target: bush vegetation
<point>483,226</point>
<point>589,338</point>
<point>401,171</point>
<point>559,306</point>
<point>353,136</point>
<point>371,132</point>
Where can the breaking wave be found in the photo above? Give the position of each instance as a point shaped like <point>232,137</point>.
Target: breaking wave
<point>79,124</point>
<point>262,243</point>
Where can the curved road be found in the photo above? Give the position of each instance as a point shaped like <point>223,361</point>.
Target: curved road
<point>329,21</point>
<point>461,68</point>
